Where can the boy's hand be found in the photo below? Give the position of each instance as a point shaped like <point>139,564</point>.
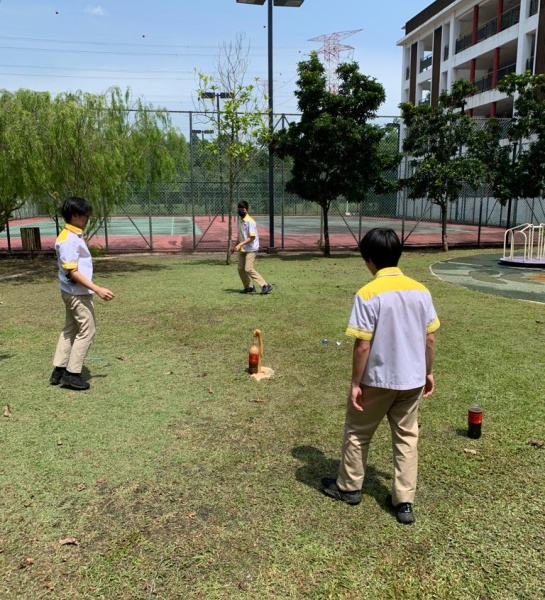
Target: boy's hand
<point>429,386</point>
<point>105,293</point>
<point>357,397</point>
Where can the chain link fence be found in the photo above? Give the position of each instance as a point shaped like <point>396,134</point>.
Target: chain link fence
<point>190,214</point>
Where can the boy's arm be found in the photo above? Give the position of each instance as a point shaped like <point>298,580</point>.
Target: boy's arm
<point>248,240</point>
<point>102,292</point>
<point>360,357</point>
<point>429,386</point>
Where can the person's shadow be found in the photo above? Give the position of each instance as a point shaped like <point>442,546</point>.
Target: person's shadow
<point>316,465</point>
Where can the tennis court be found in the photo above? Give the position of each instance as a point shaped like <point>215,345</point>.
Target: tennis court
<point>209,233</point>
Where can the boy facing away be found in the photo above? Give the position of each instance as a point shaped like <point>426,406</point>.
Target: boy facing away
<point>393,320</point>
<point>247,246</point>
<point>77,289</point>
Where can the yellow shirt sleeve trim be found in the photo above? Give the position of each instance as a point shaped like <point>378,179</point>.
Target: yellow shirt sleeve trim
<point>433,326</point>
<point>70,266</point>
<point>361,334</point>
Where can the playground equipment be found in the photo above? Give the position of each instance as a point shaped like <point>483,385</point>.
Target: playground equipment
<point>524,246</point>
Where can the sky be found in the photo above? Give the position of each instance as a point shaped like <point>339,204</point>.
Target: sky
<point>155,48</point>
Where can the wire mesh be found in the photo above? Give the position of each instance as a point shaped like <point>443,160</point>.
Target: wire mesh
<point>191,213</point>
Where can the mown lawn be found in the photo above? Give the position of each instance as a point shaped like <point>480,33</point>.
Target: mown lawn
<point>176,476</point>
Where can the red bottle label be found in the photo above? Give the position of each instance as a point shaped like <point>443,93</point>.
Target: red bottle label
<point>253,358</point>
<point>475,417</point>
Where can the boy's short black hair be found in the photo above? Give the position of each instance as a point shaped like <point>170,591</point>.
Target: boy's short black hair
<point>75,206</point>
<point>243,204</point>
<point>382,246</point>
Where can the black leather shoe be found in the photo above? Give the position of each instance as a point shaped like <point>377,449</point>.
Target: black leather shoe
<point>56,376</point>
<point>331,489</point>
<point>74,381</point>
<point>266,289</point>
<point>403,510</point>
<point>248,290</point>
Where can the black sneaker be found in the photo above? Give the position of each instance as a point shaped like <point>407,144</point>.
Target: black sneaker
<point>266,289</point>
<point>248,290</point>
<point>56,376</point>
<point>330,488</point>
<point>74,381</point>
<point>403,510</point>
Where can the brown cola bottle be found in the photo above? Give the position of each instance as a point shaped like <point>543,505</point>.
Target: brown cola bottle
<point>474,420</point>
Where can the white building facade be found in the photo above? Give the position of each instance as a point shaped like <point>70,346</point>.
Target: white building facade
<point>478,40</point>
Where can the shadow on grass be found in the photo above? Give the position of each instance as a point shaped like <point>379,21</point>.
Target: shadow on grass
<point>317,465</point>
<point>4,356</point>
<point>462,432</point>
<point>44,269</point>
<point>298,257</point>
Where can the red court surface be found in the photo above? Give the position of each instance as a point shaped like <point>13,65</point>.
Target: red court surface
<point>212,237</point>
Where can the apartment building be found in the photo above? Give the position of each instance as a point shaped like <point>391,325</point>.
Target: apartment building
<point>478,40</point>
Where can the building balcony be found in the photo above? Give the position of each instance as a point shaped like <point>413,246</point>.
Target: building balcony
<point>485,83</point>
<point>508,19</point>
<point>425,63</point>
<point>530,64</point>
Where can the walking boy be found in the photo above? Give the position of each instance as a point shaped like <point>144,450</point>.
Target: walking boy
<point>393,320</point>
<point>248,245</point>
<point>77,288</point>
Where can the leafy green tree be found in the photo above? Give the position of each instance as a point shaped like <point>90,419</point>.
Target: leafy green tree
<point>241,124</point>
<point>490,146</point>
<point>436,139</point>
<point>336,152</point>
<point>100,147</point>
<point>20,148</point>
<point>528,130</point>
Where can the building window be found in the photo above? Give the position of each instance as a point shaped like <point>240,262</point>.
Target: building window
<point>534,4</point>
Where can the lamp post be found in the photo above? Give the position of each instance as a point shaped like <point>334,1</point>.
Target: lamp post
<point>513,162</point>
<point>218,96</point>
<point>195,132</point>
<point>397,126</point>
<point>295,4</point>
<point>202,132</point>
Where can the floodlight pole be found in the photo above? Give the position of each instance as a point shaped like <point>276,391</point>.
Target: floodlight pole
<point>217,96</point>
<point>271,122</point>
<point>270,4</point>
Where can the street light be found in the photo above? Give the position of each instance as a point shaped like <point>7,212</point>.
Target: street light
<point>218,96</point>
<point>295,4</point>
<point>202,132</point>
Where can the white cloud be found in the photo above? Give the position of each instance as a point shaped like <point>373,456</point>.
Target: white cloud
<point>97,11</point>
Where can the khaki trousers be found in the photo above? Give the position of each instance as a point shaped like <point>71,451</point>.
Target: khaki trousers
<point>78,332</point>
<point>401,408</point>
<point>246,269</point>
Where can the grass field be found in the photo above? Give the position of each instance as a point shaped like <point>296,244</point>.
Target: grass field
<point>176,476</point>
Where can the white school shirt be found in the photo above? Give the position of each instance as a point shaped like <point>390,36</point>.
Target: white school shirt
<point>395,313</point>
<point>72,253</point>
<point>247,227</point>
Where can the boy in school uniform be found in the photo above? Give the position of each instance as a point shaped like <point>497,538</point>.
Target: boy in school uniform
<point>247,246</point>
<point>393,320</point>
<point>77,290</point>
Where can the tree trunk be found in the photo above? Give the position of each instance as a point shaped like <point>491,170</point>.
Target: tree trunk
<point>325,211</point>
<point>444,239</point>
<point>230,199</point>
